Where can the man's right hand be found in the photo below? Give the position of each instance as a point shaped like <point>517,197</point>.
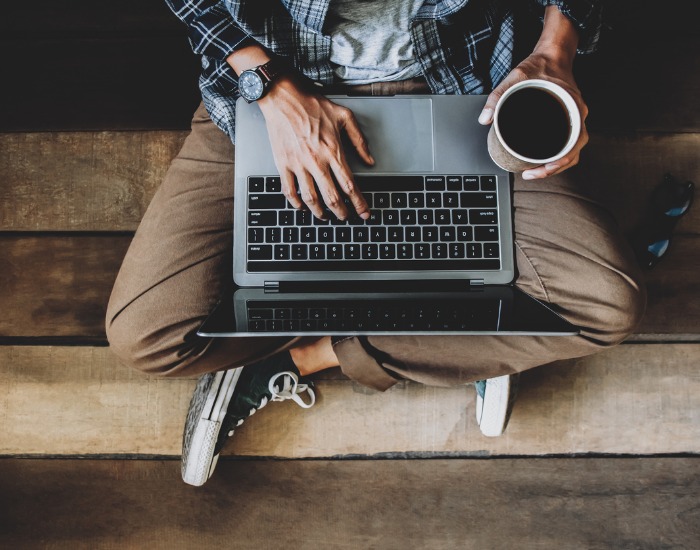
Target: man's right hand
<point>305,134</point>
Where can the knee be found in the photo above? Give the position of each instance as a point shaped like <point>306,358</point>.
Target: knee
<point>613,307</point>
<point>161,351</point>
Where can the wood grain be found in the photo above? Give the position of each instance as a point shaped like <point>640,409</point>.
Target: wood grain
<point>637,399</point>
<point>578,504</point>
<point>81,181</point>
<point>57,285</point>
<point>103,181</point>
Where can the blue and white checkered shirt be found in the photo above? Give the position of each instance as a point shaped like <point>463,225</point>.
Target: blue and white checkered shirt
<point>463,46</point>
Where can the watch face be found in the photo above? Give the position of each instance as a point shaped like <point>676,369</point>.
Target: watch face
<point>250,85</point>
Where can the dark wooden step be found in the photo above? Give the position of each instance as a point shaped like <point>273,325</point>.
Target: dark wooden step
<point>441,505</point>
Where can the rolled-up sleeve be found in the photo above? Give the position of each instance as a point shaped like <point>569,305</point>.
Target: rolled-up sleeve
<point>212,31</point>
<point>585,14</point>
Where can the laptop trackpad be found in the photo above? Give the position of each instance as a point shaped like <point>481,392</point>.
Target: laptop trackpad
<point>399,132</point>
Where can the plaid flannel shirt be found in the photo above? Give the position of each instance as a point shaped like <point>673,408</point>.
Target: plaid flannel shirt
<point>463,46</point>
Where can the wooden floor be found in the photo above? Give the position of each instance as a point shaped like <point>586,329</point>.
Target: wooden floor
<point>625,503</point>
<point>88,448</point>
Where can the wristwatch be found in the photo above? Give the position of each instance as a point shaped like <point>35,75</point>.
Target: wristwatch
<point>254,83</point>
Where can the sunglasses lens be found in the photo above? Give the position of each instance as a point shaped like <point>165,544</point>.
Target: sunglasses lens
<point>658,248</point>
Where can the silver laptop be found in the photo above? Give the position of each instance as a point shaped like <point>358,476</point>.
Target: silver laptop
<point>435,257</point>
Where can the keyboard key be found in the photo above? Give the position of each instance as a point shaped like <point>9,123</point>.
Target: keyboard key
<point>404,251</point>
<point>360,234</point>
<point>413,234</point>
<point>430,234</point>
<point>491,250</point>
<point>387,251</point>
<point>395,234</point>
<point>477,200</point>
<point>442,217</point>
<point>256,185</point>
<point>450,200</point>
<point>370,252</point>
<point>256,235</point>
<point>488,183</point>
<point>343,234</point>
<point>264,218</point>
<point>389,183</point>
<point>474,250</point>
<point>421,251</point>
<point>408,217</point>
<point>281,252</point>
<point>308,235</point>
<point>378,234</point>
<point>290,235</point>
<point>375,218</point>
<point>273,184</point>
<point>326,235</point>
<point>282,313</point>
<point>435,183</point>
<point>439,250</point>
<point>266,202</point>
<point>433,200</point>
<point>390,217</point>
<point>399,200</point>
<point>260,252</point>
<point>273,235</point>
<point>286,217</point>
<point>352,251</point>
<point>425,217</point>
<point>448,234</point>
<point>299,252</point>
<point>454,183</point>
<point>483,217</point>
<point>486,233</point>
<point>416,200</point>
<point>471,183</point>
<point>465,233</point>
<point>303,217</point>
<point>382,200</point>
<point>317,252</point>
<point>260,313</point>
<point>334,251</point>
<point>460,217</point>
<point>456,250</point>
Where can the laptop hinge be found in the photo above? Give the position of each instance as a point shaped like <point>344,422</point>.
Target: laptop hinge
<point>476,282</point>
<point>271,287</point>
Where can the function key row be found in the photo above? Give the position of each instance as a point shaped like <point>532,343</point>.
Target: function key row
<point>272,184</point>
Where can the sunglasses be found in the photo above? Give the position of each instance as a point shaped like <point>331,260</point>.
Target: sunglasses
<point>670,201</point>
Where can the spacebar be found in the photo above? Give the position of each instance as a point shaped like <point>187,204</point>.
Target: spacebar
<point>390,183</point>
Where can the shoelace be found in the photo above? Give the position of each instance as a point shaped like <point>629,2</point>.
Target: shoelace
<point>291,389</point>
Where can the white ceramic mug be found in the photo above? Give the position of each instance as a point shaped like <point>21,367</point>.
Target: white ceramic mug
<point>526,123</point>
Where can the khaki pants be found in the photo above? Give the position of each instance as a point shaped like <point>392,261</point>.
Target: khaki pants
<point>569,253</point>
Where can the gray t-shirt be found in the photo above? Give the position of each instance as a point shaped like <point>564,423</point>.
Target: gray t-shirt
<point>371,40</point>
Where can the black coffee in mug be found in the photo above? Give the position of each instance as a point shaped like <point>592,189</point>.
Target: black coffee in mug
<point>534,123</point>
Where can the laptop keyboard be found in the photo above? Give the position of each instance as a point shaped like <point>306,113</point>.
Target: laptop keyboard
<point>450,222</point>
<point>379,315</point>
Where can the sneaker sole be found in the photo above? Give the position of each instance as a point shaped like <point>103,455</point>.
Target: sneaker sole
<point>492,414</point>
<point>199,461</point>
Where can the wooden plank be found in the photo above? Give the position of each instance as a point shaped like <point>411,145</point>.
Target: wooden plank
<point>57,285</point>
<point>437,504</point>
<point>104,181</point>
<point>634,399</point>
<point>81,181</point>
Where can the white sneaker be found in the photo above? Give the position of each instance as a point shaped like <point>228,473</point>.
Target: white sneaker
<point>494,402</point>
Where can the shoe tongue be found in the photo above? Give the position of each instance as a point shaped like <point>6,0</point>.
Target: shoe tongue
<point>253,385</point>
